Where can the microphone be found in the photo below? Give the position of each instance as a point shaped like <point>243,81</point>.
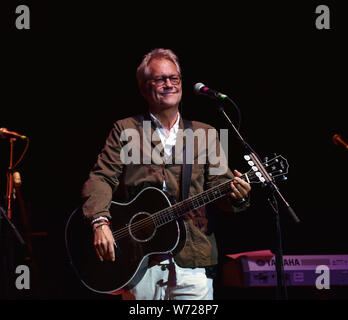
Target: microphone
<point>4,134</point>
<point>200,88</point>
<point>338,141</point>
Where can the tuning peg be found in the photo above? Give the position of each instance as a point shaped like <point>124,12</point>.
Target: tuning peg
<point>259,175</point>
<point>265,159</point>
<point>284,178</point>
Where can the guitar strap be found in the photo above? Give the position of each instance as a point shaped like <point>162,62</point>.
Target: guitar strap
<point>186,172</point>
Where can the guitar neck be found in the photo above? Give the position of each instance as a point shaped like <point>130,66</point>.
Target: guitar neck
<point>199,200</point>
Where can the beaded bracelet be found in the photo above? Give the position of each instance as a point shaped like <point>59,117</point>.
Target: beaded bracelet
<point>97,220</point>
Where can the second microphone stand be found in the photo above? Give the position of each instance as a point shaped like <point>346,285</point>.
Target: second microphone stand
<point>273,190</point>
<point>7,215</point>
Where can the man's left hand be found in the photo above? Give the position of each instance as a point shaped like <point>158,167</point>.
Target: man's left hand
<point>240,188</point>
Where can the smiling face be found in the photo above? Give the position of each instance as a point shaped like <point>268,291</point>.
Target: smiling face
<point>163,88</point>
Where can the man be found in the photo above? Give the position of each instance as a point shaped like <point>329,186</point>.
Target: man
<point>177,275</point>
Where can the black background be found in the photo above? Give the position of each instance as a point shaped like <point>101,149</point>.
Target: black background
<point>67,79</point>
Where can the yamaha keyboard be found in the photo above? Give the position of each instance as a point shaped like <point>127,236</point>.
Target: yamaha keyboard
<point>258,269</point>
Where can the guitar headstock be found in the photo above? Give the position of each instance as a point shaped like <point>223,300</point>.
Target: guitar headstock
<point>276,167</point>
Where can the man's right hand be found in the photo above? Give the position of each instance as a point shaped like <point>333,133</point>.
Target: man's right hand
<point>104,242</point>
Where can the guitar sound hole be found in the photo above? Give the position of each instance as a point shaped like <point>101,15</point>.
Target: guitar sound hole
<point>141,227</point>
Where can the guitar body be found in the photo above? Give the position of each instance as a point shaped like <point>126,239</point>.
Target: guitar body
<point>136,238</point>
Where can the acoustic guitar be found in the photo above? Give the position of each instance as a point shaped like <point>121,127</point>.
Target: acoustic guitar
<point>149,224</point>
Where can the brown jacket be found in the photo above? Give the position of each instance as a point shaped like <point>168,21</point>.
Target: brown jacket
<point>111,179</point>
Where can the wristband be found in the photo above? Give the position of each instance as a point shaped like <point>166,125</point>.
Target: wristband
<point>99,219</point>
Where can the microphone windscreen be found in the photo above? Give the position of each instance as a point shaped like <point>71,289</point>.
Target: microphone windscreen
<point>197,87</point>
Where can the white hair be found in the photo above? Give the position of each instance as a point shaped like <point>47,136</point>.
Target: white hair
<point>159,53</point>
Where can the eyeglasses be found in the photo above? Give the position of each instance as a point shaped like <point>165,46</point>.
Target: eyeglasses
<point>160,81</point>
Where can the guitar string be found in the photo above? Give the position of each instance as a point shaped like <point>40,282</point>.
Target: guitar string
<point>162,215</point>
<point>166,213</point>
<point>158,218</point>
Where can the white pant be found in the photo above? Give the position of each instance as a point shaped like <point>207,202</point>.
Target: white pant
<point>168,281</point>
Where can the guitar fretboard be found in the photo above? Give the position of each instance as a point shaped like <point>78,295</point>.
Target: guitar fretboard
<point>179,209</point>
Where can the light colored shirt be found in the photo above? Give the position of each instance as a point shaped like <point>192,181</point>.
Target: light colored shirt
<point>168,138</point>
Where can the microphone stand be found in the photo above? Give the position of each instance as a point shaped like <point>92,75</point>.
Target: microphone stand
<point>272,191</point>
<point>13,227</point>
<point>7,215</point>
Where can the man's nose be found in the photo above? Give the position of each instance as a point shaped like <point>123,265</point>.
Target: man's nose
<point>168,83</point>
